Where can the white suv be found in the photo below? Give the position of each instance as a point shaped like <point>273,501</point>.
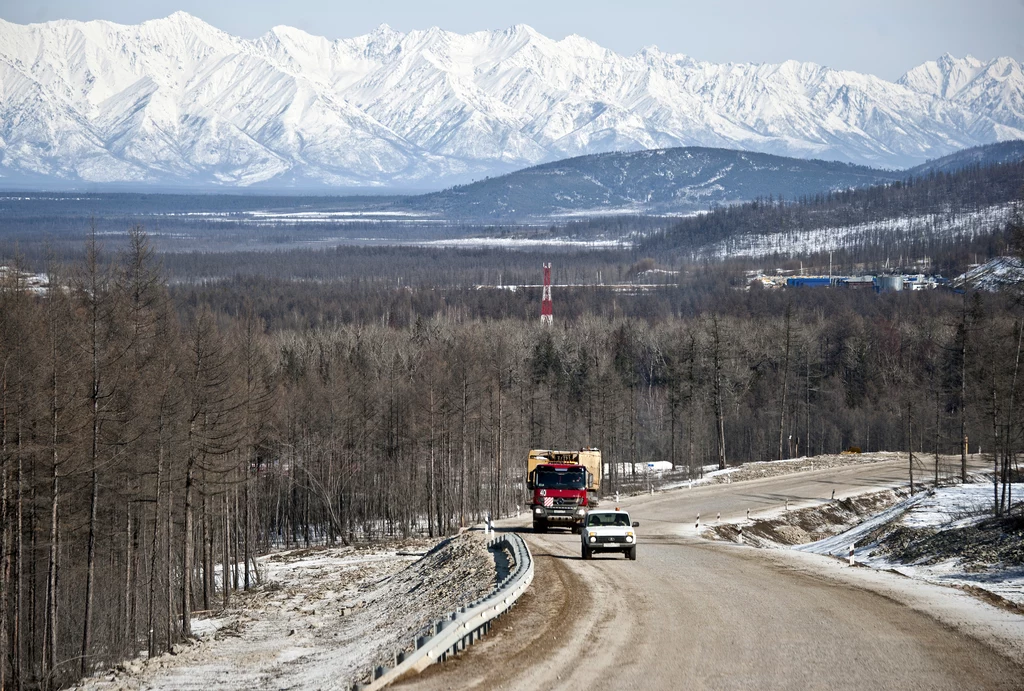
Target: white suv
<point>609,530</point>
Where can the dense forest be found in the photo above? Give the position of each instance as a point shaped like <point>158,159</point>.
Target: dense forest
<point>154,441</point>
<point>948,193</point>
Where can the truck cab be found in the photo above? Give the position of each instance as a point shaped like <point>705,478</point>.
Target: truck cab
<point>559,495</point>
<point>608,530</point>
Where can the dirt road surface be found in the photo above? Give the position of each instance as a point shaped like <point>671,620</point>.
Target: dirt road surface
<point>700,615</point>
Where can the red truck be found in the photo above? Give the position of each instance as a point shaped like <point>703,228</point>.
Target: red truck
<point>559,482</point>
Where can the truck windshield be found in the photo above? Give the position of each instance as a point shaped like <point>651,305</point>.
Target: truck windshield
<point>550,479</point>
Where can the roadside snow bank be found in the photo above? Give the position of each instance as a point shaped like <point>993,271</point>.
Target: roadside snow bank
<point>322,619</point>
<point>801,526</point>
<point>946,536</point>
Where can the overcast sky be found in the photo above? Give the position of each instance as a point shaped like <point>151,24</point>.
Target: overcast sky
<point>882,37</point>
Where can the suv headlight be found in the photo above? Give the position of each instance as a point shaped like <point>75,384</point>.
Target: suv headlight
<point>629,538</point>
<point>592,538</point>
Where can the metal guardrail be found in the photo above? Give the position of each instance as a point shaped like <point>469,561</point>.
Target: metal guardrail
<point>462,628</point>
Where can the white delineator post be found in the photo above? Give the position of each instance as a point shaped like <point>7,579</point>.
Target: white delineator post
<point>697,524</point>
<point>546,312</point>
<point>851,555</point>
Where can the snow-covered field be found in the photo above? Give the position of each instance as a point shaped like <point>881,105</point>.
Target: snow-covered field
<point>321,619</point>
<point>945,536</point>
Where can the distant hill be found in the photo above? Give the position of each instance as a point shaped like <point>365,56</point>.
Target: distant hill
<point>1002,152</point>
<point>925,211</point>
<point>660,181</point>
<point>673,181</point>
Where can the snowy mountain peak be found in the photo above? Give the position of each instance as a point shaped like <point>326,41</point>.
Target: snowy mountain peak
<point>178,100</point>
<point>384,31</point>
<point>182,23</point>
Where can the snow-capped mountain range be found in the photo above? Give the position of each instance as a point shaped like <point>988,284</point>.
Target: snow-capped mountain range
<point>177,101</point>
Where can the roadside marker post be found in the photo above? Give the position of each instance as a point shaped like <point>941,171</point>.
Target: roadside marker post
<point>697,524</point>
<point>833,495</point>
<point>851,555</point>
<point>719,517</point>
<point>741,535</point>
<point>748,514</point>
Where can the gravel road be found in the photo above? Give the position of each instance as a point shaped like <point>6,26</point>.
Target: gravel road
<point>700,615</point>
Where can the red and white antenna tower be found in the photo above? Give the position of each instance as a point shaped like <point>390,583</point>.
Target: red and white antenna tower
<point>545,301</point>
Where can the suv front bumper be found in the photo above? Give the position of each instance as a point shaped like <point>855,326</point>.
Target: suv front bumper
<point>608,543</point>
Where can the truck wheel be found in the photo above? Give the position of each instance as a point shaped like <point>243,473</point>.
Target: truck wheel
<point>586,552</point>
<point>575,530</point>
<point>631,553</point>
<point>540,527</point>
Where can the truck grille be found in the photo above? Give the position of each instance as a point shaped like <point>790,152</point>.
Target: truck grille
<point>561,502</point>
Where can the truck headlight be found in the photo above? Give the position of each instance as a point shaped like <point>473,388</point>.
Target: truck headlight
<point>580,511</point>
<point>539,510</point>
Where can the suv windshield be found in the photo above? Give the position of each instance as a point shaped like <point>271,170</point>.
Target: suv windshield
<point>570,479</point>
<point>617,519</point>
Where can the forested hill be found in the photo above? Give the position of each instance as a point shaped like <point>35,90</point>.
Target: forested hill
<point>1002,152</point>
<point>675,180</point>
<point>950,194</point>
